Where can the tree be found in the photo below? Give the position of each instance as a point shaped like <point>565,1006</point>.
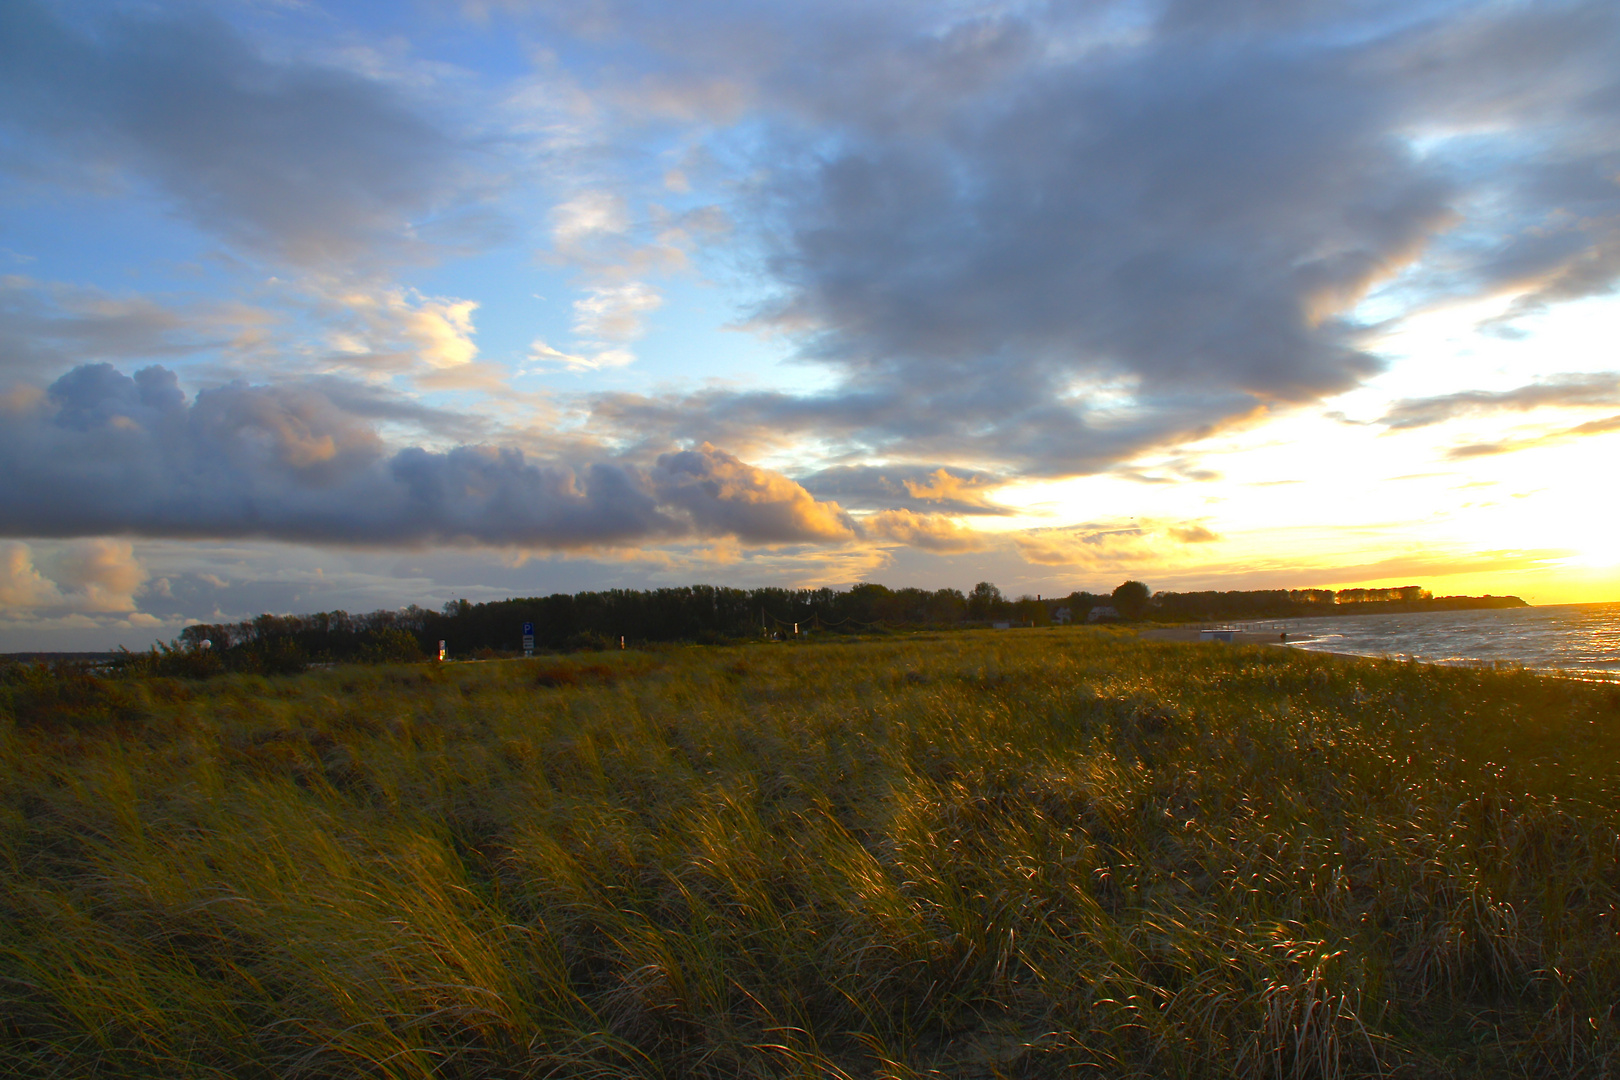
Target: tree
<point>1131,599</point>
<point>1032,611</point>
<point>983,601</point>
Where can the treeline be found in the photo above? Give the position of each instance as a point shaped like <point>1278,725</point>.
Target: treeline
<point>286,644</point>
<point>703,614</point>
<point>563,621</point>
<point>1305,603</point>
<point>707,614</point>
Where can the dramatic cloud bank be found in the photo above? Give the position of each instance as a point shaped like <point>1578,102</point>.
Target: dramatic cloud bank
<point>104,452</point>
<point>1049,239</point>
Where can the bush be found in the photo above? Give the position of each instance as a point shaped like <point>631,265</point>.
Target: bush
<point>590,641</point>
<point>280,656</point>
<point>37,695</point>
<point>389,647</point>
<point>172,661</point>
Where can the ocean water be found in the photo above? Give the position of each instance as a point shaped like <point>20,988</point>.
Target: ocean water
<point>1577,638</point>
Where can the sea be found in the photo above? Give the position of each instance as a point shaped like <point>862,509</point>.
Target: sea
<point>1576,639</point>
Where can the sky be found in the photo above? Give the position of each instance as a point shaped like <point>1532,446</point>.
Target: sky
<point>313,305</point>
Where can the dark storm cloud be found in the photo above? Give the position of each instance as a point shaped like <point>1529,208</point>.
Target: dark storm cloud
<point>995,223</point>
<point>311,164</point>
<point>1565,391</point>
<point>102,452</point>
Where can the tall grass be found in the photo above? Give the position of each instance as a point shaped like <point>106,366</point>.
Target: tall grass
<point>984,855</point>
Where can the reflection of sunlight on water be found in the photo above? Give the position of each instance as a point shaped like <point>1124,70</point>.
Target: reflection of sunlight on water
<point>1579,638</point>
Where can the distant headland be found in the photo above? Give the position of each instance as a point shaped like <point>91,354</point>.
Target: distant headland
<point>1314,603</point>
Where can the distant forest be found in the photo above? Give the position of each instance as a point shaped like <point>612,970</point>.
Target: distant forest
<point>710,614</point>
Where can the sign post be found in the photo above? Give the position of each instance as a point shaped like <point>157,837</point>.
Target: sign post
<point>441,650</point>
<point>528,640</point>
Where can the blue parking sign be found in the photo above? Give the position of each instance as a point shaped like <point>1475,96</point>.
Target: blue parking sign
<point>528,629</point>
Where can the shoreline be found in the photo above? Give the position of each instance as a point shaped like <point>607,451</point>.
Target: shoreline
<point>1191,635</point>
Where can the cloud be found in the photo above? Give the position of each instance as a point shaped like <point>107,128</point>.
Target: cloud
<point>1192,534</point>
<point>104,573</point>
<point>1010,240</point>
<point>444,332</point>
<point>1043,436</point>
<point>931,532</point>
<point>614,312</point>
<point>991,212</point>
<point>22,586</point>
<point>1527,97</point>
<point>368,401</point>
<point>97,575</point>
<point>1558,391</point>
<point>1110,546</point>
<point>396,329</point>
<point>542,353</point>
<point>1088,548</point>
<point>594,231</point>
<point>103,452</point>
<point>50,326</point>
<point>606,319</point>
<point>724,495</point>
<point>309,164</point>
<point>498,495</point>
<point>587,216</point>
<point>320,322</point>
<point>1190,220</point>
<point>913,487</point>
<point>943,488</point>
<point>391,329</point>
<point>1197,220</point>
<point>1602,426</point>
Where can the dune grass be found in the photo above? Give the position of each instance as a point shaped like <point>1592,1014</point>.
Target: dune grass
<point>981,855</point>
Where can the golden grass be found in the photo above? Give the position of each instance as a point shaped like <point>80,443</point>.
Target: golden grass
<point>979,855</point>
